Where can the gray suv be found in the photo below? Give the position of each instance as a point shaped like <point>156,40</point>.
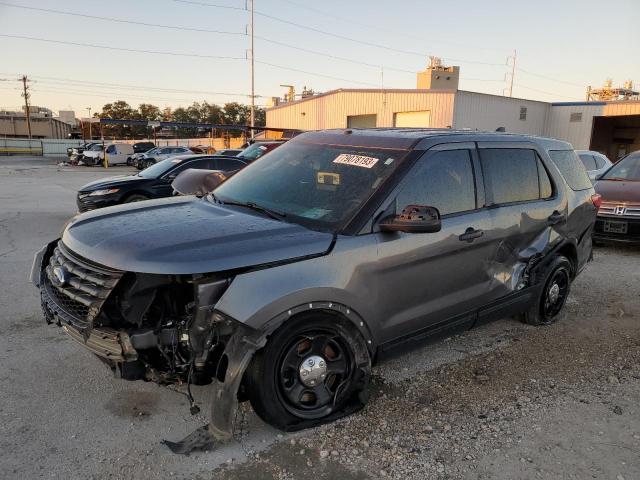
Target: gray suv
<point>285,284</point>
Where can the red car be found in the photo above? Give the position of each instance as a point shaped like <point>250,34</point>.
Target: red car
<point>619,215</point>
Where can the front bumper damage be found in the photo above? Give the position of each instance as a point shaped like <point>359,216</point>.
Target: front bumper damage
<point>115,348</point>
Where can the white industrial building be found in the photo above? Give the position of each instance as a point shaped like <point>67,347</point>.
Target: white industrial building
<point>612,127</point>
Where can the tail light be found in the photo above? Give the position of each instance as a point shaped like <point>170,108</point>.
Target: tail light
<point>596,199</point>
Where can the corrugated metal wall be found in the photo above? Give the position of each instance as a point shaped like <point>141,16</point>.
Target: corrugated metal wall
<point>488,112</point>
<point>331,110</point>
<point>577,133</point>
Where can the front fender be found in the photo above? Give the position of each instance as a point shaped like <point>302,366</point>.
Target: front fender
<point>338,282</point>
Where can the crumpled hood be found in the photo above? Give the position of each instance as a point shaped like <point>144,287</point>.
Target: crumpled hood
<point>186,235</point>
<point>112,182</point>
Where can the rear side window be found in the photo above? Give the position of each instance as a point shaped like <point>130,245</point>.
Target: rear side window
<point>443,180</point>
<point>513,175</point>
<point>571,169</point>
<point>588,161</point>
<point>227,165</point>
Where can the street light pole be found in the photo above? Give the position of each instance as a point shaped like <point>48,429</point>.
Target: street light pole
<point>253,96</point>
<point>26,96</point>
<point>90,135</point>
<point>513,73</point>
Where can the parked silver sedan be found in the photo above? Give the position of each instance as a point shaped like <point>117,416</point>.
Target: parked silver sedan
<point>594,162</point>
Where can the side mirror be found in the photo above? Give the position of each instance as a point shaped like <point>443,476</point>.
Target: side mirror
<point>598,176</point>
<point>197,182</point>
<point>413,219</point>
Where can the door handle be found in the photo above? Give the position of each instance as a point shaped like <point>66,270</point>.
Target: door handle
<point>555,218</point>
<point>470,234</point>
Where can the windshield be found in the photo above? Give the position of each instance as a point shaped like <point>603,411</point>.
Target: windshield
<point>626,169</point>
<point>96,147</point>
<point>160,168</point>
<point>255,151</point>
<point>319,186</point>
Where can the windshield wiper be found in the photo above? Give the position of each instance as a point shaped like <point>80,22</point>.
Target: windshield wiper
<point>276,215</point>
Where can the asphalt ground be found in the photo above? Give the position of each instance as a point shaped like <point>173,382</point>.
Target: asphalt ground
<point>504,401</point>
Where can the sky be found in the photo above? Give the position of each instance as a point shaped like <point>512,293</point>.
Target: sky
<point>561,47</point>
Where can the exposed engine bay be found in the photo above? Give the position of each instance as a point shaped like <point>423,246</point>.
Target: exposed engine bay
<point>159,328</point>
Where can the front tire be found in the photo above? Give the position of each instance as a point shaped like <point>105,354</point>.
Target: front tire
<point>308,373</point>
<point>135,198</point>
<point>549,307</point>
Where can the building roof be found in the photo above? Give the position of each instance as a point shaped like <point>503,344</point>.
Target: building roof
<point>394,90</point>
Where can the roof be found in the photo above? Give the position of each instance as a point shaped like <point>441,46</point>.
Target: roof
<point>407,138</point>
<point>395,90</point>
<point>359,90</point>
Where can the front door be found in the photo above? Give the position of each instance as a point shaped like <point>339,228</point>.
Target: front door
<point>429,281</point>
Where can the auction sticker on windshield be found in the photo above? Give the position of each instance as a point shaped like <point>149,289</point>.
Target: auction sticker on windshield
<point>356,160</point>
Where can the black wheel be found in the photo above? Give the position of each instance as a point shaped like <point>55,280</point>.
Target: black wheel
<point>549,306</point>
<point>308,372</point>
<point>136,197</point>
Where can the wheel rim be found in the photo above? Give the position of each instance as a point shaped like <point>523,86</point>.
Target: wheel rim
<point>314,368</point>
<point>555,293</point>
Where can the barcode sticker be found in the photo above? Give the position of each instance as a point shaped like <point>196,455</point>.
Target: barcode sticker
<point>356,160</point>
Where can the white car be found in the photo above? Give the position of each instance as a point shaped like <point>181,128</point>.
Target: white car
<point>594,162</point>
<point>158,154</point>
<point>116,153</point>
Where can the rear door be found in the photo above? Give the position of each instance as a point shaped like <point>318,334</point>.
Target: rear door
<point>431,281</point>
<point>526,208</point>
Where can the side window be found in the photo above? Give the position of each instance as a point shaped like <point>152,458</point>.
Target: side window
<point>571,169</point>
<point>228,165</point>
<point>443,180</point>
<point>201,164</point>
<point>111,149</point>
<point>511,175</point>
<point>588,161</point>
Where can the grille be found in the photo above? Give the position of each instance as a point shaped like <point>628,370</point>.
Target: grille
<point>619,209</point>
<point>75,290</point>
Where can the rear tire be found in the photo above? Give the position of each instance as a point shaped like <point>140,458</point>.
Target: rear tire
<point>549,306</point>
<point>306,373</point>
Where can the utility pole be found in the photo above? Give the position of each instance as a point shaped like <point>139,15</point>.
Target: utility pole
<point>253,96</point>
<point>513,72</point>
<point>26,96</point>
<point>90,135</point>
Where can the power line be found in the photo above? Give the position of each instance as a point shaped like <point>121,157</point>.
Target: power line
<point>162,52</point>
<point>520,69</point>
<point>203,30</point>
<point>120,20</point>
<point>128,86</point>
<point>378,28</point>
<point>134,50</point>
<point>336,35</point>
<point>116,94</point>
<point>544,92</point>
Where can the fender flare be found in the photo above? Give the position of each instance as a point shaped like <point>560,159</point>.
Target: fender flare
<point>335,308</point>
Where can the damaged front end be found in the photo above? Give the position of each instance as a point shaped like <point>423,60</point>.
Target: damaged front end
<point>161,328</point>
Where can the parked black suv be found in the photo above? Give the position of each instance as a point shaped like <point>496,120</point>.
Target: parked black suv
<point>152,182</point>
<point>297,272</point>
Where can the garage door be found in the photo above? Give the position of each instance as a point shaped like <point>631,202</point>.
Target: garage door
<point>420,119</point>
<point>361,121</point>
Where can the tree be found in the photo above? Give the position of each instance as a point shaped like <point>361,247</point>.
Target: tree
<point>117,110</point>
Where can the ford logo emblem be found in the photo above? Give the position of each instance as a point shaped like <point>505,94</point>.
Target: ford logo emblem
<point>59,276</point>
